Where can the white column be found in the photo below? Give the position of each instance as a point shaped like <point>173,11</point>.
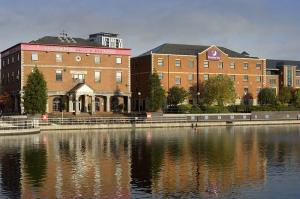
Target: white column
<point>108,103</point>
<point>70,103</point>
<point>93,104</point>
<point>86,103</point>
<point>77,111</point>
<point>128,104</point>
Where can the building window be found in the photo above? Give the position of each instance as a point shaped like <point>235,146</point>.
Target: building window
<point>18,75</point>
<point>34,57</point>
<point>12,76</point>
<point>178,80</point>
<point>297,73</point>
<point>258,78</point>
<point>246,90</point>
<point>220,64</point>
<point>272,81</point>
<point>245,78</point>
<point>7,60</point>
<point>58,75</point>
<point>58,57</point>
<point>118,77</point>
<point>298,82</point>
<point>97,59</point>
<point>97,76</point>
<point>206,64</point>
<point>160,62</point>
<point>160,76</point>
<point>3,63</point>
<point>289,76</point>
<point>190,77</point>
<point>57,104</point>
<point>118,60</point>
<point>78,78</point>
<point>246,66</point>
<point>178,63</point>
<point>12,59</point>
<point>232,65</point>
<point>258,66</point>
<point>18,57</point>
<point>205,77</point>
<point>191,63</point>
<point>232,77</point>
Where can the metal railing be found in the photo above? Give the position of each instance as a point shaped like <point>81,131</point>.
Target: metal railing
<point>17,125</point>
<point>21,123</point>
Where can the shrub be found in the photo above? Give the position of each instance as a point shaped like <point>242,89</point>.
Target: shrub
<point>266,96</point>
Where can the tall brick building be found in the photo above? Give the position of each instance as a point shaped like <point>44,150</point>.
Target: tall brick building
<point>83,75</point>
<point>188,65</point>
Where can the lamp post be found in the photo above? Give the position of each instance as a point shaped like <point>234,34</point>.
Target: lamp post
<point>139,94</point>
<point>198,94</point>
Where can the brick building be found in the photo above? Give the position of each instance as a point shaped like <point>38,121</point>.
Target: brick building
<point>83,75</point>
<point>282,73</point>
<point>188,65</point>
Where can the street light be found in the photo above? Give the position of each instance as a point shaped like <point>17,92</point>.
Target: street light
<point>139,94</point>
<point>198,94</point>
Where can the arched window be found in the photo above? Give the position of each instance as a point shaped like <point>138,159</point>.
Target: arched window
<point>57,104</point>
<point>97,104</point>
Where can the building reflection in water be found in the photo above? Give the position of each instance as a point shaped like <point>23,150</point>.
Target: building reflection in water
<point>125,164</point>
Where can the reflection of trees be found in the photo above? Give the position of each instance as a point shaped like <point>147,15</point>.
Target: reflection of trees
<point>35,164</point>
<point>11,174</point>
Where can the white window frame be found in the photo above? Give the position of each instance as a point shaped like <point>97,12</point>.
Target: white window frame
<point>118,60</point>
<point>160,62</point>
<point>258,78</point>
<point>97,76</point>
<point>245,79</point>
<point>191,77</point>
<point>178,63</point>
<point>221,65</point>
<point>97,59</point>
<point>206,64</point>
<point>160,76</point>
<point>58,57</point>
<point>34,56</point>
<point>246,66</point>
<point>232,65</point>
<point>59,71</point>
<point>119,77</point>
<point>205,77</point>
<point>178,80</point>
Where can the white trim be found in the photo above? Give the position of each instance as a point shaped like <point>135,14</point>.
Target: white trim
<point>212,46</point>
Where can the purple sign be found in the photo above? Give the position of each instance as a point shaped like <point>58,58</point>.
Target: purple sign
<point>213,55</point>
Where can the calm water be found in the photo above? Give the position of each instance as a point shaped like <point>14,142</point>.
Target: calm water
<point>235,162</point>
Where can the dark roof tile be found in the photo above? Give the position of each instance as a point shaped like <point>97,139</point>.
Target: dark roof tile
<point>183,49</point>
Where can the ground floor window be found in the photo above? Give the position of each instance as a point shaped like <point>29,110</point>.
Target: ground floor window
<point>57,104</point>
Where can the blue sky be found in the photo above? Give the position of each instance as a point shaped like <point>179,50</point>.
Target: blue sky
<point>264,28</point>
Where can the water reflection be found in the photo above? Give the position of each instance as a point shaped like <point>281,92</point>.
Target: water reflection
<point>207,162</point>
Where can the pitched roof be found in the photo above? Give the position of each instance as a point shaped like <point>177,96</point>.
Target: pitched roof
<point>275,63</point>
<point>67,41</point>
<point>183,49</point>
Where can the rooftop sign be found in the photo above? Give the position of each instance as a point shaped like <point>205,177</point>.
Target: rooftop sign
<point>213,55</point>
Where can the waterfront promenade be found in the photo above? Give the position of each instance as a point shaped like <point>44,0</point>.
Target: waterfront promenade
<point>25,126</point>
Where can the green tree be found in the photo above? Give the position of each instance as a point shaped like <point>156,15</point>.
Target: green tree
<point>177,95</point>
<point>35,93</point>
<point>266,96</point>
<point>157,93</point>
<point>296,98</point>
<point>219,89</point>
<point>285,95</point>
